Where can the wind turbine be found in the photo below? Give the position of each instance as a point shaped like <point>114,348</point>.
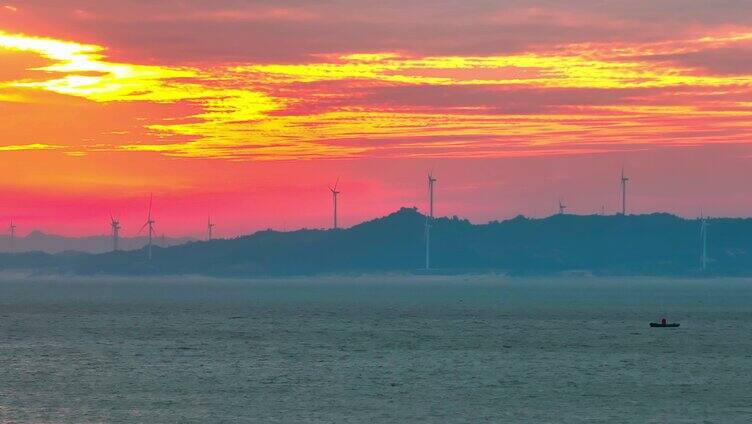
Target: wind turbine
<point>623,192</point>
<point>150,224</point>
<point>704,240</point>
<point>335,193</point>
<point>12,235</point>
<point>429,220</point>
<point>209,226</point>
<point>115,225</point>
<point>562,207</point>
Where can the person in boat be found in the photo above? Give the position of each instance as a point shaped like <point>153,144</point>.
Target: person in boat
<point>664,323</point>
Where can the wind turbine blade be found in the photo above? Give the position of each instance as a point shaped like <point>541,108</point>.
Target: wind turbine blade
<point>142,228</point>
<point>336,183</point>
<point>151,197</point>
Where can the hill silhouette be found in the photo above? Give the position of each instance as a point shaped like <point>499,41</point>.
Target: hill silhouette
<point>655,244</point>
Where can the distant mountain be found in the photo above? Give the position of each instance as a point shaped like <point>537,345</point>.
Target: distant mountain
<point>657,244</point>
<point>38,241</point>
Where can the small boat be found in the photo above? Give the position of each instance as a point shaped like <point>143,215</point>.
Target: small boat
<point>664,324</point>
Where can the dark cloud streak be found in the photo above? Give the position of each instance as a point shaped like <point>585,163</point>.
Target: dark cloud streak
<point>285,31</point>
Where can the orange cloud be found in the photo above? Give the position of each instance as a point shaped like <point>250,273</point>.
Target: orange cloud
<point>23,147</point>
<point>341,106</point>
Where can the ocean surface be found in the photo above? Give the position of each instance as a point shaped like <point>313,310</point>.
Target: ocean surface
<point>375,350</point>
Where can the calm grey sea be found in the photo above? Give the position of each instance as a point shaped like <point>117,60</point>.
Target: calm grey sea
<point>357,350</point>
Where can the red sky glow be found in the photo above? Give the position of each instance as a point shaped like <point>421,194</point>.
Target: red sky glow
<point>249,110</point>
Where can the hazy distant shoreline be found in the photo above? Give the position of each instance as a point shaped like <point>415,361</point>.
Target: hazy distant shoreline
<point>373,278</point>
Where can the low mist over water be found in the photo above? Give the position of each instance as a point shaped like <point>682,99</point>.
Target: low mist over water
<point>374,349</point>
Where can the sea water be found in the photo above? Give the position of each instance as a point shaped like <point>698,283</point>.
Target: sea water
<point>376,350</point>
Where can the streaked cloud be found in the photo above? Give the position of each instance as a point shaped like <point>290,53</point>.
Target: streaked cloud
<point>25,147</point>
<point>370,104</point>
<point>289,80</point>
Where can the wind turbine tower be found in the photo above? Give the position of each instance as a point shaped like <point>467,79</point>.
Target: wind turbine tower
<point>704,240</point>
<point>335,193</point>
<point>209,227</point>
<point>150,224</point>
<point>562,207</point>
<point>623,193</point>
<point>115,225</point>
<point>12,235</point>
<point>429,220</point>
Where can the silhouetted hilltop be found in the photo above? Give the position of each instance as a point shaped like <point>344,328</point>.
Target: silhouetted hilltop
<point>656,244</point>
<point>394,242</point>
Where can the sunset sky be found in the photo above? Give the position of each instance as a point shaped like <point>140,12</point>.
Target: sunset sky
<point>249,110</point>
